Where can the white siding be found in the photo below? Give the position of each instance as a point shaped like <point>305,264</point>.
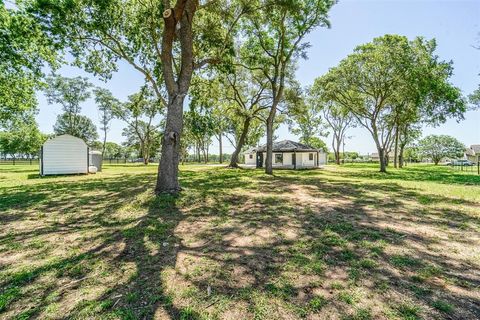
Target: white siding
<point>287,159</point>
<point>250,158</point>
<point>322,159</point>
<point>65,155</point>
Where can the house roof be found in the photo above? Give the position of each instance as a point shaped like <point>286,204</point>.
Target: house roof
<point>469,152</point>
<point>475,147</point>
<point>284,146</point>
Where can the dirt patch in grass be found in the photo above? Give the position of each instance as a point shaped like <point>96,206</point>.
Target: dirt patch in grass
<point>340,243</point>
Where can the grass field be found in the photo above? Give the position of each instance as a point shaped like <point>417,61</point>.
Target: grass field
<point>339,243</point>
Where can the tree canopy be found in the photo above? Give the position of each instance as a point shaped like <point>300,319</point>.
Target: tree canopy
<point>274,38</point>
<point>437,147</point>
<point>24,50</point>
<point>83,128</point>
<point>390,82</point>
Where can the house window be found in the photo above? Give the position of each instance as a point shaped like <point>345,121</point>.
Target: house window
<point>279,158</point>
<point>310,156</point>
<point>250,156</point>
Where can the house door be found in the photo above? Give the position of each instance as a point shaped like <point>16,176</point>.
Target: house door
<point>259,159</point>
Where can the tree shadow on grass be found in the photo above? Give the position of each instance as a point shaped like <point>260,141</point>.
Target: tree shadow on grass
<point>239,243</point>
<point>443,175</point>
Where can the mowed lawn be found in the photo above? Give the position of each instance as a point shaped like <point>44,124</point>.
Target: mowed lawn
<point>338,243</point>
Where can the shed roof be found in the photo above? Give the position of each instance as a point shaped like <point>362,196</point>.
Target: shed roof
<point>64,137</point>
<point>285,146</point>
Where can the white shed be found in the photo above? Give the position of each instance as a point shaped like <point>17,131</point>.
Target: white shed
<point>64,154</point>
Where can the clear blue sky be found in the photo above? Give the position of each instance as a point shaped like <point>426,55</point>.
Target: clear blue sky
<point>455,24</point>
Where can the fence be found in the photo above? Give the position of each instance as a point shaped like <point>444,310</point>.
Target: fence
<point>19,162</point>
<point>467,169</point>
<point>11,161</point>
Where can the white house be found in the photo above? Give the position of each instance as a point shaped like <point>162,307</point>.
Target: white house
<point>473,153</point>
<point>64,154</point>
<point>287,155</point>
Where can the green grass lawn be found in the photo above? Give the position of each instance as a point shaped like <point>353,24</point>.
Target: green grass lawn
<point>339,243</point>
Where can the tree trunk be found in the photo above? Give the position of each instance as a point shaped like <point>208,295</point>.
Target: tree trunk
<point>178,24</point>
<point>336,148</point>
<point>381,151</point>
<point>104,143</point>
<point>144,152</point>
<point>268,160</point>
<point>395,153</point>
<point>167,181</point>
<point>206,154</point>
<point>400,156</point>
<point>146,156</point>
<point>240,143</point>
<point>382,158</point>
<point>220,147</point>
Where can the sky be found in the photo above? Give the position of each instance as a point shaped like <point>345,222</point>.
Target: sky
<point>455,24</point>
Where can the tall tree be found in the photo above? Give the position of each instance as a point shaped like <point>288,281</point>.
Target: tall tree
<point>106,103</point>
<point>200,125</point>
<point>139,113</point>
<point>245,102</point>
<point>380,79</point>
<point>339,121</point>
<point>144,138</point>
<point>274,38</point>
<point>304,115</point>
<point>164,41</point>
<point>339,118</point>
<point>207,100</point>
<point>441,146</point>
<point>70,93</point>
<point>83,128</point>
<point>408,133</point>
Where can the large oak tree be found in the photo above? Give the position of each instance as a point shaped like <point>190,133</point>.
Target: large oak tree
<point>165,41</point>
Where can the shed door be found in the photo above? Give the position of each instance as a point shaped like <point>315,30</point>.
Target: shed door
<point>259,159</point>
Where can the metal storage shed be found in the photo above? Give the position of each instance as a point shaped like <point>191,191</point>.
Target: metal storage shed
<point>64,154</point>
<point>96,159</point>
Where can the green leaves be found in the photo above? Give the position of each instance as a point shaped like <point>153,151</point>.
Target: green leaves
<point>24,50</point>
<point>437,147</point>
<point>76,125</point>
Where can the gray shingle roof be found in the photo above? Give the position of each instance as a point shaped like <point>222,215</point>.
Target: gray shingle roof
<point>286,146</point>
<point>476,148</point>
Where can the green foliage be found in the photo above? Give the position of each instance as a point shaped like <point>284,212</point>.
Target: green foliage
<point>392,83</point>
<point>24,51</point>
<point>273,38</point>
<point>22,139</point>
<point>304,117</point>
<point>76,125</point>
<point>106,103</point>
<point>70,93</point>
<point>437,147</point>
<point>141,113</point>
<point>114,151</point>
<point>475,98</point>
